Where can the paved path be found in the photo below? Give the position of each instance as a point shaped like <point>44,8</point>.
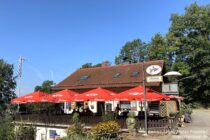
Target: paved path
<point>199,129</point>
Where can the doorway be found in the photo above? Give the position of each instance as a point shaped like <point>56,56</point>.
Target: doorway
<point>100,108</point>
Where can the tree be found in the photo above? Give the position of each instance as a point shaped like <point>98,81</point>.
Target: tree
<point>158,49</point>
<point>189,36</point>
<point>87,65</point>
<point>7,84</point>
<point>90,65</point>
<point>45,87</point>
<point>132,52</point>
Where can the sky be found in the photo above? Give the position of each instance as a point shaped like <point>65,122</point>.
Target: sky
<point>57,37</point>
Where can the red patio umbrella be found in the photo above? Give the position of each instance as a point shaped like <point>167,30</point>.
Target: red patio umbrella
<point>63,96</point>
<point>98,94</point>
<point>175,97</point>
<point>137,94</point>
<point>18,100</point>
<point>34,97</point>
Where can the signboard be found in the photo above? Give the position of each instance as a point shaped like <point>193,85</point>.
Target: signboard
<point>153,69</point>
<point>154,79</point>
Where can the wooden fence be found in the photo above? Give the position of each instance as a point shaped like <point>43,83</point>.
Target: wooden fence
<point>154,123</point>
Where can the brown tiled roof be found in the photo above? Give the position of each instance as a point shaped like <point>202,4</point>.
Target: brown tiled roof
<point>103,76</point>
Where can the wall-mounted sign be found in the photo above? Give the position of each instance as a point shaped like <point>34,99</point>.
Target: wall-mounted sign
<point>153,69</point>
<point>154,79</point>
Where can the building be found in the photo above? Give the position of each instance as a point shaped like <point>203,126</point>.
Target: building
<point>115,78</point>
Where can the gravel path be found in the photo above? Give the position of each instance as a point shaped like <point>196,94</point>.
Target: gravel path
<point>199,129</point>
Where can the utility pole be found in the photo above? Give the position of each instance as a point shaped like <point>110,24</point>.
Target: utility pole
<point>145,101</point>
<point>20,66</point>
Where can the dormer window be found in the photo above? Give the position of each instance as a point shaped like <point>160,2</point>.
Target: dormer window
<point>116,75</point>
<point>134,74</point>
<point>84,77</point>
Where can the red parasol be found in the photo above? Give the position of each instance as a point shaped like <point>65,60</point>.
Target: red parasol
<point>34,97</point>
<point>98,94</point>
<point>137,94</point>
<point>18,100</point>
<point>175,97</point>
<point>63,96</point>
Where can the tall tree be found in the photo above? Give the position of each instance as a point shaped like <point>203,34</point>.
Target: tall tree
<point>133,52</point>
<point>7,84</point>
<point>45,87</point>
<point>158,49</point>
<point>189,36</point>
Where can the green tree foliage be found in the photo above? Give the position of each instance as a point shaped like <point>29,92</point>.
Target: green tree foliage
<point>158,49</point>
<point>25,132</point>
<point>185,48</point>
<point>6,127</point>
<point>76,131</point>
<point>45,87</point>
<point>133,52</point>
<point>7,84</point>
<point>90,65</point>
<point>189,36</point>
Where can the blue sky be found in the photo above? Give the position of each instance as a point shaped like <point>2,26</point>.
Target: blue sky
<point>57,37</point>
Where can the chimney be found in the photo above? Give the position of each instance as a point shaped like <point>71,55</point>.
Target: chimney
<point>105,64</point>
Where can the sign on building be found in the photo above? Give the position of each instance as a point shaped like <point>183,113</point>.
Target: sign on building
<point>153,69</point>
<point>154,79</point>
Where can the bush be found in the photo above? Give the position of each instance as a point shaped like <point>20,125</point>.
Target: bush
<point>25,132</point>
<point>6,127</point>
<point>108,117</point>
<point>103,129</point>
<point>76,131</point>
<point>185,108</point>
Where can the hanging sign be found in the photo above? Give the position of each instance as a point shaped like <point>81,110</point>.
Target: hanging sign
<point>154,79</point>
<point>153,69</point>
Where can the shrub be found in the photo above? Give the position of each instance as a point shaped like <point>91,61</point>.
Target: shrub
<point>6,127</point>
<point>25,132</point>
<point>108,117</point>
<point>76,131</point>
<point>105,128</point>
<point>185,108</point>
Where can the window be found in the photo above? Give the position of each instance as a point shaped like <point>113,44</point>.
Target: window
<point>53,133</point>
<point>125,105</point>
<point>116,75</point>
<point>134,74</point>
<point>84,77</point>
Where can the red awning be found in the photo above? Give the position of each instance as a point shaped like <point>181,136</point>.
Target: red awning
<point>63,96</point>
<point>138,94</point>
<point>98,94</point>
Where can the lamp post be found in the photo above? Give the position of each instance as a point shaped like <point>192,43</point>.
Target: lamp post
<point>145,100</point>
